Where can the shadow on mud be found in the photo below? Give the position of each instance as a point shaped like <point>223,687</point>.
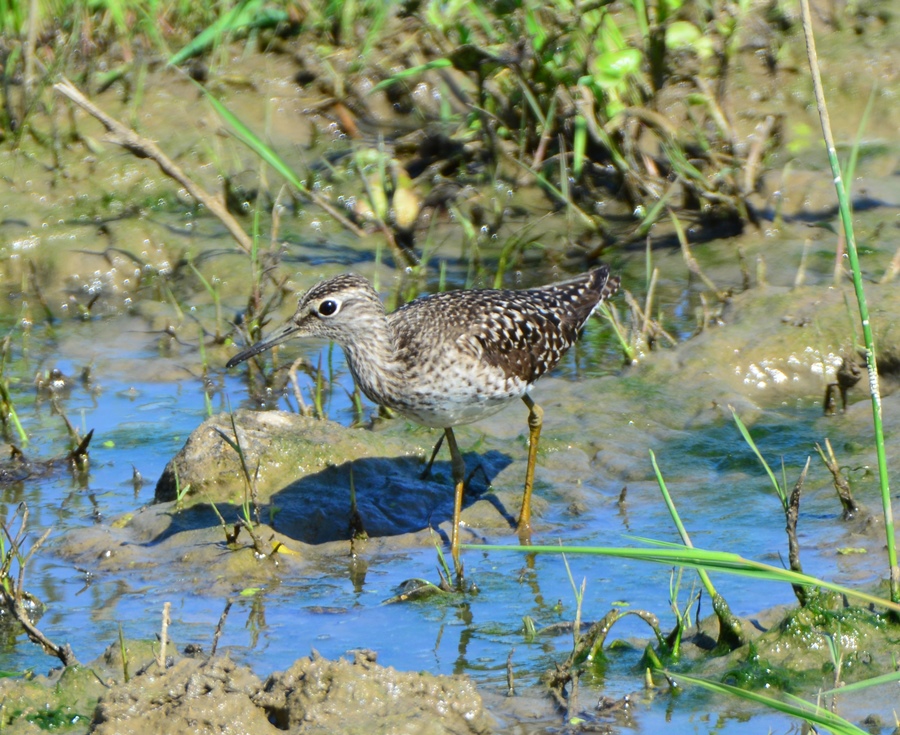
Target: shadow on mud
<point>392,499</point>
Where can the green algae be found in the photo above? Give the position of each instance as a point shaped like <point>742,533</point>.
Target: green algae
<point>62,702</point>
<point>807,648</point>
<point>756,672</point>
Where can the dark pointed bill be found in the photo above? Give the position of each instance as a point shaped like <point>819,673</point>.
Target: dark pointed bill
<point>277,337</point>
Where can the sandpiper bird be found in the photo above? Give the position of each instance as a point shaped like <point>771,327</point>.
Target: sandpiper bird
<point>450,358</point>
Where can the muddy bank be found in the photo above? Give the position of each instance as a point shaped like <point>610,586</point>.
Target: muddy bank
<point>129,690</point>
<point>197,694</point>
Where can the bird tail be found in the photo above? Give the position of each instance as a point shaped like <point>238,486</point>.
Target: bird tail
<point>603,282</point>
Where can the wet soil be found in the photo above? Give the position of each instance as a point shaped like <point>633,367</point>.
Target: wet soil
<point>201,694</point>
<point>109,243</point>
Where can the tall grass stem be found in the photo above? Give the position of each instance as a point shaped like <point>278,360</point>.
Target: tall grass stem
<point>852,254</point>
<point>676,519</point>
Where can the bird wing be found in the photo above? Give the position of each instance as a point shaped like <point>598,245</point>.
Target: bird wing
<point>524,336</point>
<point>523,333</point>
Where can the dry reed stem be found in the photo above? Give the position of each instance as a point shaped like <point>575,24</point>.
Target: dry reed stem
<point>121,135</point>
<point>164,636</point>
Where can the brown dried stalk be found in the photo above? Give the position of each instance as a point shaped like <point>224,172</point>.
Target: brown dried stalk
<point>141,147</point>
<point>841,486</point>
<point>12,593</point>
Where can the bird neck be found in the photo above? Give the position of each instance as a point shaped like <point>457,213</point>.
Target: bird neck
<point>372,358</point>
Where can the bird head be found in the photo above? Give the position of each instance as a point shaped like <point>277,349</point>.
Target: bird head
<point>339,309</point>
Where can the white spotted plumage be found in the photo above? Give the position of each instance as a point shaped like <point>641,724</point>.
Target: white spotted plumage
<point>449,358</point>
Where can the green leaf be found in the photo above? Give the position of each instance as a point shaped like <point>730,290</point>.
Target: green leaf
<point>254,143</point>
<point>796,707</point>
<point>614,66</point>
<point>685,35</point>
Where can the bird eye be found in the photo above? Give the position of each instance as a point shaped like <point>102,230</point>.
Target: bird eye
<point>328,307</point>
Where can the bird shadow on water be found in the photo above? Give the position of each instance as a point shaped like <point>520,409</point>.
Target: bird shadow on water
<point>392,497</point>
<point>393,500</point>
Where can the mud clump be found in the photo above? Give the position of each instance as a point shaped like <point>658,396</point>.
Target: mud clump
<point>205,695</point>
<point>212,696</point>
<point>317,695</point>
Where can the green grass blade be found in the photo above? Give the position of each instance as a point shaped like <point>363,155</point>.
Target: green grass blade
<point>12,415</point>
<point>246,14</point>
<point>412,72</point>
<point>875,681</point>
<point>850,168</point>
<point>796,707</point>
<point>779,491</point>
<point>676,519</point>
<point>607,313</point>
<point>254,143</point>
<point>853,257</point>
<point>670,554</point>
<point>206,38</point>
<point>20,430</point>
<point>654,213</point>
<point>586,219</point>
<point>579,146</point>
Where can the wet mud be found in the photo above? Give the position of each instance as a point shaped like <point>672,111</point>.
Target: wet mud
<point>204,695</point>
<point>99,277</point>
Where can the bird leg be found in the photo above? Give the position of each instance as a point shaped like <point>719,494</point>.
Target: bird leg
<point>356,526</point>
<point>535,421</point>
<point>427,472</point>
<point>459,476</point>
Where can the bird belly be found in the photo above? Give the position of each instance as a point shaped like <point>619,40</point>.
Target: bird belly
<point>460,401</point>
<point>440,414</point>
<point>442,388</point>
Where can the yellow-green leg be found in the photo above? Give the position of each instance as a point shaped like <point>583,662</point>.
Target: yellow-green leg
<point>459,477</point>
<point>535,421</point>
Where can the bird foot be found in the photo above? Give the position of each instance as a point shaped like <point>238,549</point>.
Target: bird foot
<point>524,532</point>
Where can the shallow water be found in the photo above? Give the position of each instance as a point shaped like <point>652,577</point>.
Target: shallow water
<point>147,395</point>
<point>597,433</point>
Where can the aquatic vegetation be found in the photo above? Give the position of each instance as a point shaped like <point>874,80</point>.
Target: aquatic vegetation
<point>618,101</point>
<point>583,89</point>
<point>448,144</point>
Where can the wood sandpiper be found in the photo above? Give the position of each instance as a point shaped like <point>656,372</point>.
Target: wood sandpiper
<point>450,358</point>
